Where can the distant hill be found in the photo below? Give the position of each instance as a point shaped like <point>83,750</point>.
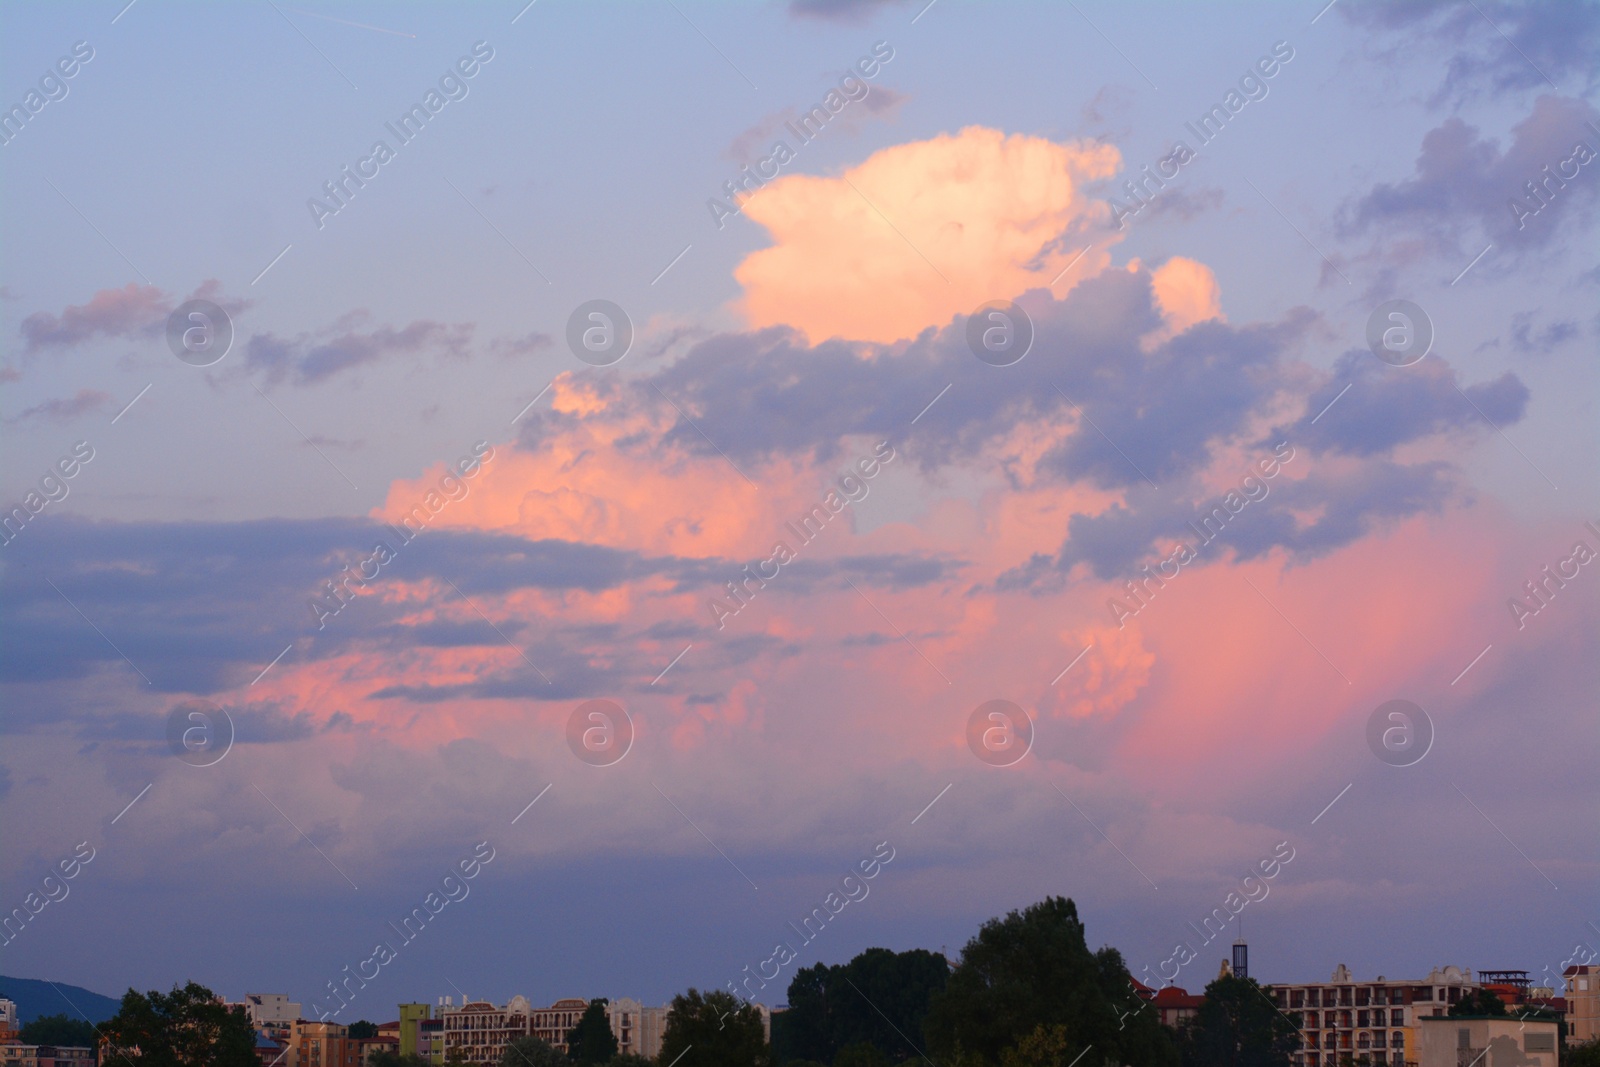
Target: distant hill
<point>35,998</point>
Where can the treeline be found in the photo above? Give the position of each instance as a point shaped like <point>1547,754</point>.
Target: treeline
<point>1027,992</point>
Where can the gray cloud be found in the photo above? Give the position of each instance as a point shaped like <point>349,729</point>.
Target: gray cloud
<point>310,359</point>
<point>132,311</point>
<point>1505,46</point>
<point>1462,178</point>
<point>81,402</point>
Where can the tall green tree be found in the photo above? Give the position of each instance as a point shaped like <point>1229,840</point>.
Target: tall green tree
<point>59,1030</point>
<point>1033,968</point>
<point>1584,1055</point>
<point>1238,1025</point>
<point>1479,1002</point>
<point>880,998</point>
<point>591,1041</point>
<point>722,1030</point>
<point>363,1028</point>
<point>189,1027</point>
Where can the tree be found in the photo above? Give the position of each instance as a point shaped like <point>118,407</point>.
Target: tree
<point>1238,1025</point>
<point>722,1030</point>
<point>1047,1046</point>
<point>1033,968</point>
<point>1479,1002</point>
<point>362,1028</point>
<point>189,1026</point>
<point>59,1030</point>
<point>532,1052</point>
<point>880,998</point>
<point>861,1054</point>
<point>1584,1055</point>
<point>591,1041</point>
<point>628,1059</point>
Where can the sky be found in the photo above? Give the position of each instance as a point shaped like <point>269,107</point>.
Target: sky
<point>1196,381</point>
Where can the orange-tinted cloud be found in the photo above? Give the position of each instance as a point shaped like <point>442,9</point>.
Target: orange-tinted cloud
<point>921,232</point>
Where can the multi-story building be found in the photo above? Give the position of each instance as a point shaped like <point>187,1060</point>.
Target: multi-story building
<point>1468,1040</point>
<point>553,1023</point>
<point>1372,1022</point>
<point>1583,1002</point>
<point>410,1016</point>
<point>1173,1004</point>
<point>270,1011</point>
<point>318,1044</point>
<point>652,1026</point>
<point>623,1015</point>
<point>8,1014</point>
<point>16,1055</point>
<point>481,1031</point>
<point>430,1040</point>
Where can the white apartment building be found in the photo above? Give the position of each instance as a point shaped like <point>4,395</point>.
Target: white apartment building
<point>270,1011</point>
<point>1373,1022</point>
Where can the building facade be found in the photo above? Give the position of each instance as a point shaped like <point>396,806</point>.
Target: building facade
<point>1373,1022</point>
<point>270,1011</point>
<point>411,1015</point>
<point>1583,1002</point>
<point>552,1023</point>
<point>1487,1041</point>
<point>319,1044</point>
<point>480,1032</point>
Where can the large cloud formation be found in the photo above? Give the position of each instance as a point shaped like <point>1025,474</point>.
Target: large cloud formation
<point>919,232</point>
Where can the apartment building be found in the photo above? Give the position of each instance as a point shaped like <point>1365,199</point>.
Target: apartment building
<point>1487,1039</point>
<point>624,1015</point>
<point>553,1023</point>
<point>1373,1022</point>
<point>1583,1002</point>
<point>269,1011</point>
<point>318,1044</point>
<point>480,1031</point>
<point>17,1055</point>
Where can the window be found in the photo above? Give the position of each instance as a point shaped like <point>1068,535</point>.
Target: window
<point>1398,1017</point>
<point>1463,1038</point>
<point>1399,1039</point>
<point>1539,1043</point>
<point>1378,1017</point>
<point>1362,1018</point>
